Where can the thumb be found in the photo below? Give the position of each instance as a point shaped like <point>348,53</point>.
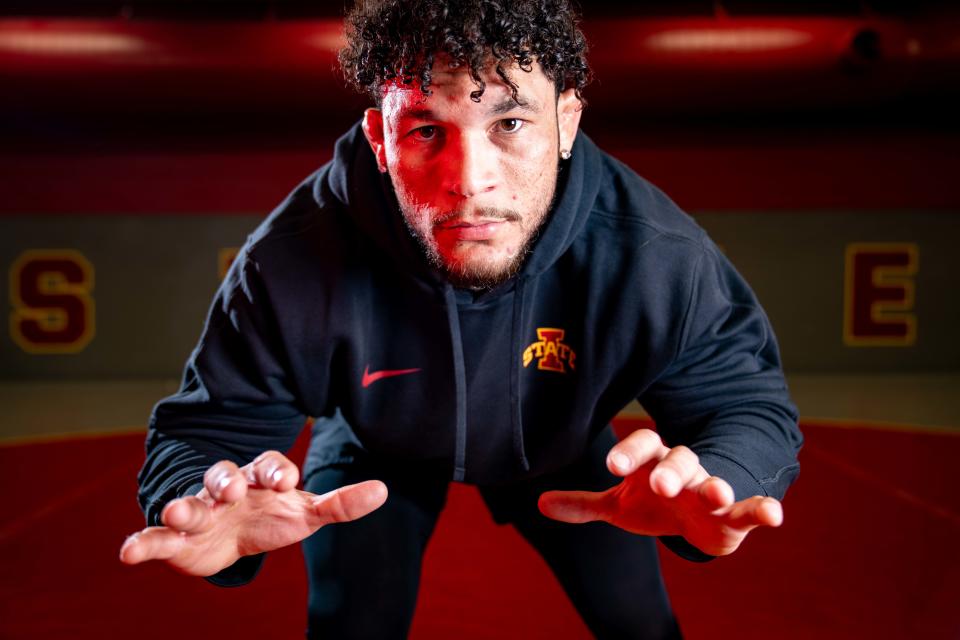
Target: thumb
<point>350,502</point>
<point>575,507</point>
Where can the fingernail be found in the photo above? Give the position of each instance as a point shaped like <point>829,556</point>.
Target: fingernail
<point>126,543</point>
<point>223,482</point>
<point>276,476</point>
<point>669,482</point>
<point>621,461</point>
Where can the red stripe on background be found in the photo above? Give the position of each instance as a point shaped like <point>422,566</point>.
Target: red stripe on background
<point>910,172</point>
<point>135,183</point>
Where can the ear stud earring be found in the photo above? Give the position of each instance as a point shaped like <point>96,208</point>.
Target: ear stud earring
<point>565,154</point>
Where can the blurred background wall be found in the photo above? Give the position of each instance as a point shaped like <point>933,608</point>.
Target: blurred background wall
<point>141,141</point>
<point>816,140</point>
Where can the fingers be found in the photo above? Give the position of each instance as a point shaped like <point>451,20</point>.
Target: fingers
<point>224,482</point>
<point>635,450</point>
<point>350,502</point>
<point>270,470</point>
<point>153,543</point>
<point>678,469</point>
<point>754,512</point>
<point>189,514</point>
<point>273,470</point>
<point>715,493</point>
<point>575,507</point>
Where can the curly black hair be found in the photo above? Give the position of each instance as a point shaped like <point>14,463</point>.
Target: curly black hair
<point>399,39</point>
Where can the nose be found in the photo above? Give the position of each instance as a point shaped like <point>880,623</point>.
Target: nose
<point>470,166</point>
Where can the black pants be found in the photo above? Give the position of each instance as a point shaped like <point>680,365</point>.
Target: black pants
<point>364,575</point>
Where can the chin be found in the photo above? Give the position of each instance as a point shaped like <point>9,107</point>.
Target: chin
<point>479,269</point>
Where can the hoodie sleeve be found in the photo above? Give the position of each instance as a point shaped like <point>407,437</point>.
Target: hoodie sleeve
<point>236,401</point>
<point>724,394</point>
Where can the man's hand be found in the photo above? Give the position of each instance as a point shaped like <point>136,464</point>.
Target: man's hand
<point>245,511</point>
<point>666,492</point>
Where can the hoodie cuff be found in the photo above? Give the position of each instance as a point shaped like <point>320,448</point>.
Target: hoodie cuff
<point>239,573</point>
<point>742,482</point>
<point>680,546</point>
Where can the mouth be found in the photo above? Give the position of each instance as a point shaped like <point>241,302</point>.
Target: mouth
<point>460,229</point>
<point>482,224</point>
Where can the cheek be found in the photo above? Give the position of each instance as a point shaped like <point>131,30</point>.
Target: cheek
<point>530,169</point>
<point>414,181</point>
<point>421,172</point>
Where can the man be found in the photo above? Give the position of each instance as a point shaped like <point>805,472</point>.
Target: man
<point>471,290</point>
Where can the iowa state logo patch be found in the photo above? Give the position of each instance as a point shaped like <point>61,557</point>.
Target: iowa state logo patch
<point>550,351</point>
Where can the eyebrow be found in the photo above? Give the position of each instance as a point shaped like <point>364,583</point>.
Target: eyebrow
<point>509,104</point>
<point>417,114</point>
<point>504,106</point>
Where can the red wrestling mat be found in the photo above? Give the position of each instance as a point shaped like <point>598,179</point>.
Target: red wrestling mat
<point>868,550</point>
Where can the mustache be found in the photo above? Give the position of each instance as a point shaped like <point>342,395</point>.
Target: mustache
<point>484,213</point>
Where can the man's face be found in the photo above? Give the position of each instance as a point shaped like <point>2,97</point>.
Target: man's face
<point>474,180</point>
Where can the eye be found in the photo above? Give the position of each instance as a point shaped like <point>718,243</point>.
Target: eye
<point>428,132</point>
<point>510,125</point>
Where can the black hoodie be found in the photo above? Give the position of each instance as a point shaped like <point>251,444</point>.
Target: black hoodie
<point>331,310</point>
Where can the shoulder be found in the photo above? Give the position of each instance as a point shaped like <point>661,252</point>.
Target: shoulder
<point>632,219</point>
<point>300,241</point>
<point>303,209</point>
<point>634,205</point>
<point>307,219</point>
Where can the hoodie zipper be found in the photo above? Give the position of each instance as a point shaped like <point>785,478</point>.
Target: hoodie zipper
<point>460,384</point>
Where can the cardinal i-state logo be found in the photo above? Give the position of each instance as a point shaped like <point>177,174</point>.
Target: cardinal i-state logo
<point>550,351</point>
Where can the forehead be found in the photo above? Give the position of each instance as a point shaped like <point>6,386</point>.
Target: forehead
<point>451,88</point>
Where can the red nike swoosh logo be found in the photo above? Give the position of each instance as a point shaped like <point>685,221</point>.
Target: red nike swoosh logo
<point>370,378</point>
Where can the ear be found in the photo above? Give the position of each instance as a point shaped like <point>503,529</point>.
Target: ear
<point>569,109</point>
<point>373,130</point>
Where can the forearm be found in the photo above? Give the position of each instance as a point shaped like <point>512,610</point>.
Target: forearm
<point>744,429</point>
